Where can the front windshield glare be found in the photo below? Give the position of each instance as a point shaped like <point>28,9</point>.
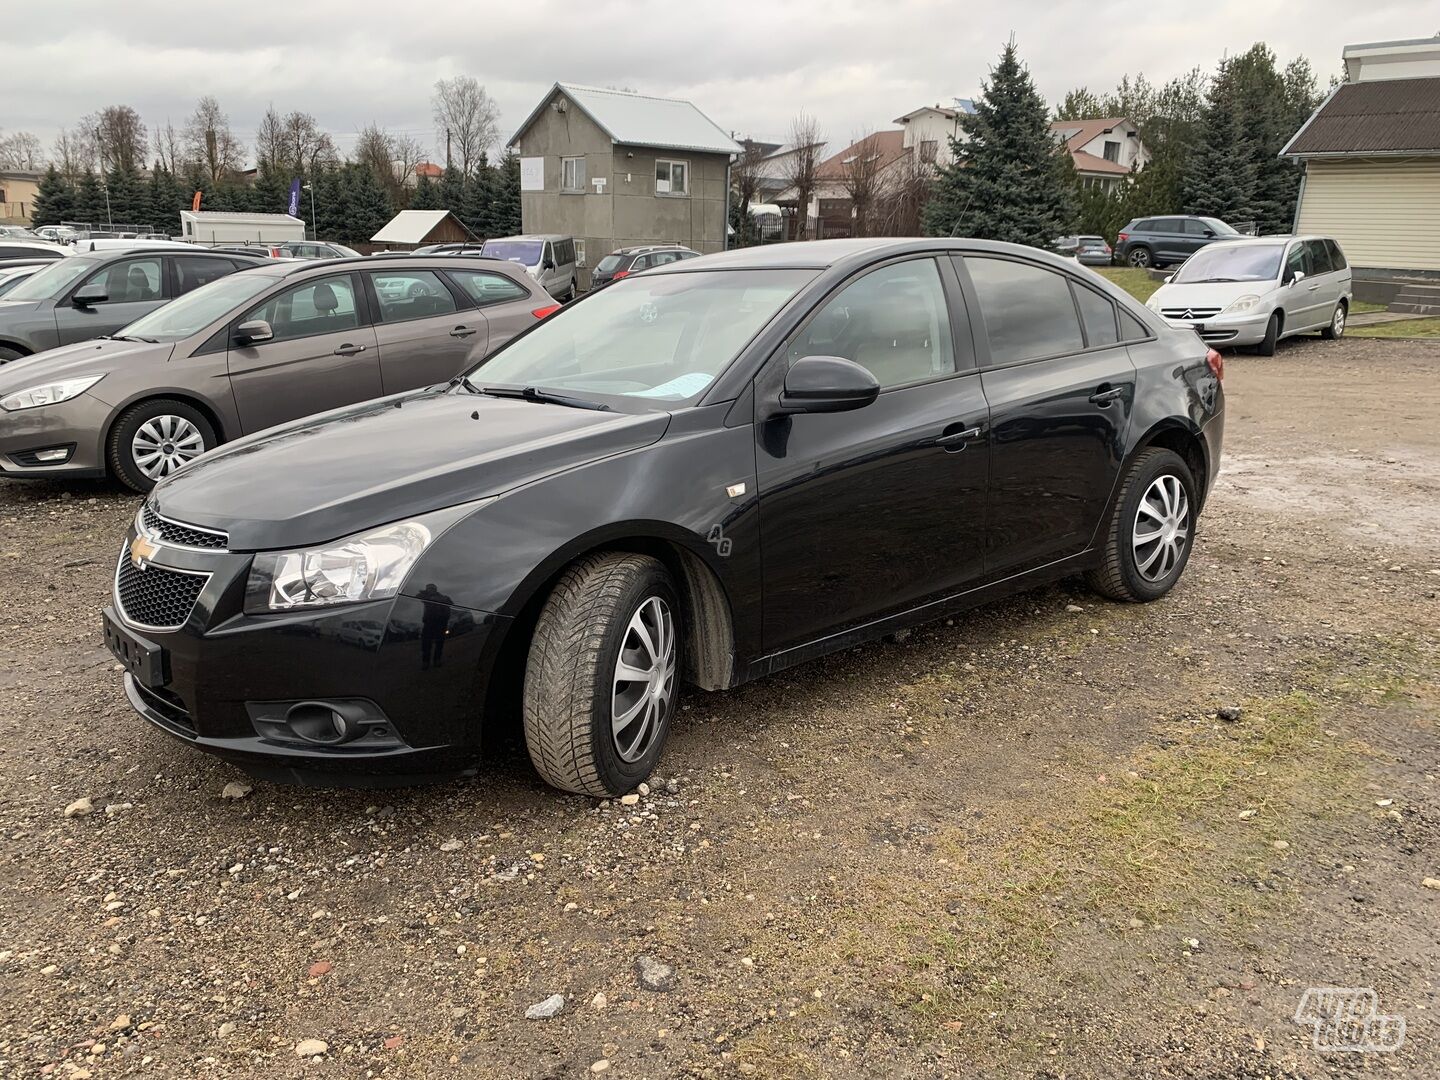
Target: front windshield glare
<point>1232,262</point>
<point>196,310</point>
<point>51,281</point>
<point>662,339</point>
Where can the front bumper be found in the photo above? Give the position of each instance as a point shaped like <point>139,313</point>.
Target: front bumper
<point>1226,331</point>
<point>78,425</point>
<point>423,667</point>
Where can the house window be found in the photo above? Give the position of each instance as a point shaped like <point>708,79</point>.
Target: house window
<point>927,150</point>
<point>572,174</point>
<point>1112,151</point>
<point>672,178</point>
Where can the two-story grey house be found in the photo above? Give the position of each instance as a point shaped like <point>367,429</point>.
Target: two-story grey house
<point>613,168</point>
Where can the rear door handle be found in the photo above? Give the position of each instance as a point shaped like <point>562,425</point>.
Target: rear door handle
<point>462,331</point>
<point>1104,396</point>
<point>956,440</point>
<point>349,350</point>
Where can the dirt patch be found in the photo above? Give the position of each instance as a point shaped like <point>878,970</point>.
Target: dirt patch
<point>1011,846</point>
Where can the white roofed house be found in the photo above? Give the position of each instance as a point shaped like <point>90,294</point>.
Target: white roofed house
<point>613,168</point>
<point>412,228</point>
<point>930,128</point>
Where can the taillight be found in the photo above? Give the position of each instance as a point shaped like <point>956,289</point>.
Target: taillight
<point>1122,238</point>
<point>541,312</point>
<point>1216,362</point>
<point>619,274</point>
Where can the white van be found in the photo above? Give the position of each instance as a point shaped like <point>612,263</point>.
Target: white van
<point>550,260</point>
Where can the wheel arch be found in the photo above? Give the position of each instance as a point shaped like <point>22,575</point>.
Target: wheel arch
<point>20,347</point>
<point>1184,439</point>
<point>167,394</point>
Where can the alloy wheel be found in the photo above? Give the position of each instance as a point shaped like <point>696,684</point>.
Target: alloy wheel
<point>163,443</point>
<point>1162,528</point>
<point>1337,323</point>
<point>1140,257</point>
<point>644,683</point>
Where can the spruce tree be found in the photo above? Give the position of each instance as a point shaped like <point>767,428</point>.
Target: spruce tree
<point>165,200</point>
<point>426,195</point>
<point>1220,177</point>
<point>367,204</point>
<point>475,211</point>
<point>54,200</point>
<point>90,201</point>
<point>1004,183</point>
<point>504,219</point>
<point>452,191</point>
<point>129,202</point>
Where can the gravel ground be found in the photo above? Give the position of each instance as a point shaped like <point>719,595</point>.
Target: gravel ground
<point>1021,844</point>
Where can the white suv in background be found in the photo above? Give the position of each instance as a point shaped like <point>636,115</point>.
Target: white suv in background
<point>1257,291</point>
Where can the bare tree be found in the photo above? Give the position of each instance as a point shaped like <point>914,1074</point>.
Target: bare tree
<point>745,181</point>
<point>407,152</point>
<point>375,149</point>
<point>801,165</point>
<point>292,145</point>
<point>119,135</point>
<point>863,179</point>
<point>167,147</point>
<point>20,150</point>
<point>467,119</point>
<point>904,196</point>
<point>73,153</point>
<point>209,140</point>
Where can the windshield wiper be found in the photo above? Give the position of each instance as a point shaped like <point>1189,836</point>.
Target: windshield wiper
<point>529,393</point>
<point>131,337</point>
<point>1211,280</point>
<point>464,380</point>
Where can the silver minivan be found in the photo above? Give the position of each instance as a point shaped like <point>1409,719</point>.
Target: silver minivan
<point>549,259</point>
<point>1258,290</point>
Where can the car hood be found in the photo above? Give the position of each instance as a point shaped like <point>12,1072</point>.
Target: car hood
<point>81,358</point>
<point>329,476</point>
<point>1214,294</point>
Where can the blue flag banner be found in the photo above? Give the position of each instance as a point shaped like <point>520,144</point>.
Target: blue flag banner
<point>295,197</point>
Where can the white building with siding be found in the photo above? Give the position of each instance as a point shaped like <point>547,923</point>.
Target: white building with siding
<point>1372,161</point>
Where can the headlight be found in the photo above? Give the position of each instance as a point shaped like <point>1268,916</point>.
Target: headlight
<point>368,566</point>
<point>1244,304</point>
<point>33,397</point>
<point>1153,303</point>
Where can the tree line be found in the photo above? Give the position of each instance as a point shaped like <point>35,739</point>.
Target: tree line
<point>109,168</point>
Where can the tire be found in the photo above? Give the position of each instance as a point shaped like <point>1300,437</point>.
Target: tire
<point>167,414</point>
<point>571,676</point>
<point>1124,573</point>
<point>1336,329</point>
<point>569,296</point>
<point>7,354</point>
<point>1139,256</point>
<point>1272,336</point>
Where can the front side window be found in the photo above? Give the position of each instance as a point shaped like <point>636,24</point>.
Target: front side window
<point>486,288</point>
<point>646,342</point>
<point>318,307</point>
<point>411,294</point>
<point>672,178</point>
<point>572,174</point>
<point>1297,261</point>
<point>1028,310</point>
<point>130,281</point>
<point>893,322</point>
<point>192,271</point>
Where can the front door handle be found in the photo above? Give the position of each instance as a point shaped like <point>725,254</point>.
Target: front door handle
<point>462,331</point>
<point>955,441</point>
<point>1106,394</point>
<point>349,350</point>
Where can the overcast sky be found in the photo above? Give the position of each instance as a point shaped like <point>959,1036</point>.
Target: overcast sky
<point>749,64</point>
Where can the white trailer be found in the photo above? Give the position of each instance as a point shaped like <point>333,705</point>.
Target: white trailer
<point>216,227</point>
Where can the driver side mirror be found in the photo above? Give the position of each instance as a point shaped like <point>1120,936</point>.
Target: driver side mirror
<point>90,295</point>
<point>254,332</point>
<point>1297,277</point>
<point>1207,232</point>
<point>818,384</point>
<point>548,264</point>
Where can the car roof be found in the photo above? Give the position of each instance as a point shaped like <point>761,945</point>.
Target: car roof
<point>535,236</point>
<point>38,245</point>
<point>392,261</point>
<point>638,249</point>
<point>848,253</point>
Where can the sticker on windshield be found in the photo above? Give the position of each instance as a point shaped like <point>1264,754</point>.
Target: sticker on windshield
<point>682,386</point>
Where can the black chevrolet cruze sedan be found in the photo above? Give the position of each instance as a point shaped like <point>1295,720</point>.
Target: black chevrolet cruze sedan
<point>703,474</point>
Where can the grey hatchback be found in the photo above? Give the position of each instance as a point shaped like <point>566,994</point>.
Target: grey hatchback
<point>252,350</point>
<point>86,296</point>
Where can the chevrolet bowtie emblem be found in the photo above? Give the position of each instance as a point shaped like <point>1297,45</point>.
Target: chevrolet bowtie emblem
<point>141,552</point>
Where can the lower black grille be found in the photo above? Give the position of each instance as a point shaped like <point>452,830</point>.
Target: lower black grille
<point>172,532</point>
<point>156,597</point>
<point>168,707</point>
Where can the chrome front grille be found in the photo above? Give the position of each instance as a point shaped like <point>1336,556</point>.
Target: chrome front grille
<point>157,597</point>
<point>176,534</point>
<point>1190,312</point>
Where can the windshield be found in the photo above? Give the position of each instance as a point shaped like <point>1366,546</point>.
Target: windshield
<point>348,252</point>
<point>1218,227</point>
<point>659,339</point>
<point>196,310</point>
<point>51,281</point>
<point>608,263</point>
<point>526,252</point>
<point>1232,262</point>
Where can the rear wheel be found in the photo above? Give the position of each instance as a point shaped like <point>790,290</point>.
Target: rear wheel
<point>1140,257</point>
<point>1151,530</point>
<point>1271,338</point>
<point>570,295</point>
<point>1337,322</point>
<point>154,438</point>
<point>602,678</point>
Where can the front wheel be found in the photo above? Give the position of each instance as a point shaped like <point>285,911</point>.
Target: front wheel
<point>154,438</point>
<point>1271,338</point>
<point>7,354</point>
<point>1151,530</point>
<point>602,678</point>
<point>1337,323</point>
<point>1140,257</point>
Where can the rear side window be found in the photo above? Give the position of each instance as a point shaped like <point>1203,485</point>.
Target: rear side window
<point>1319,256</point>
<point>411,294</point>
<point>192,271</point>
<point>1337,257</point>
<point>1144,225</point>
<point>1028,310</point>
<point>485,288</point>
<point>1098,315</point>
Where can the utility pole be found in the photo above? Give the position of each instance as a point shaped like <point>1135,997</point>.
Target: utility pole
<point>447,149</point>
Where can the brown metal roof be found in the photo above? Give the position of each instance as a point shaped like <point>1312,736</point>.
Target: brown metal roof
<point>1390,116</point>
